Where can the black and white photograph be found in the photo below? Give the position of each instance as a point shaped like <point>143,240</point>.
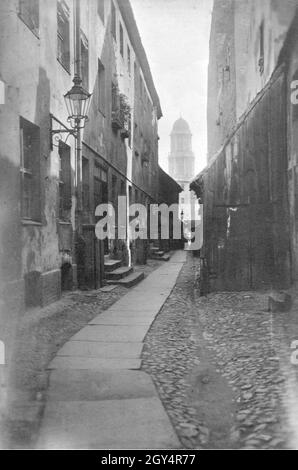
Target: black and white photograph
<point>148,228</point>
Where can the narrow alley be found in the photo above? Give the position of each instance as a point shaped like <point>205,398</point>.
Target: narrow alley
<point>148,227</point>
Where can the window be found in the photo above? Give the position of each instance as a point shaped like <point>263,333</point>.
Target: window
<point>101,9</point>
<point>64,181</point>
<point>141,86</point>
<point>85,60</point>
<point>128,60</point>
<point>101,82</point>
<point>123,188</point>
<point>114,188</point>
<point>63,38</point>
<point>85,184</point>
<point>113,21</point>
<point>29,13</point>
<point>262,57</point>
<point>129,129</point>
<point>100,185</point>
<point>115,99</point>
<point>97,186</point>
<point>180,143</point>
<point>30,170</point>
<point>121,39</point>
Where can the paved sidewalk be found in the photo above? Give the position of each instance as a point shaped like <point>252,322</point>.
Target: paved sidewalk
<point>98,397</point>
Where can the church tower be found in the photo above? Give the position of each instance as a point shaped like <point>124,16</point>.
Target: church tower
<point>182,165</point>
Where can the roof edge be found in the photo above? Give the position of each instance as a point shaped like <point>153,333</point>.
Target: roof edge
<point>135,38</point>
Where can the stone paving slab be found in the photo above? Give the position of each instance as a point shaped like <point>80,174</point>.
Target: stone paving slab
<point>77,362</point>
<point>113,318</point>
<point>111,334</point>
<point>101,350</point>
<point>130,308</point>
<point>109,424</point>
<point>79,385</point>
<point>102,402</point>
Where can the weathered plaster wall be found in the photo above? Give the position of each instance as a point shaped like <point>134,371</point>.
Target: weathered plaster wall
<point>221,76</point>
<point>291,59</point>
<point>277,17</point>
<point>235,45</point>
<point>35,83</point>
<point>29,67</point>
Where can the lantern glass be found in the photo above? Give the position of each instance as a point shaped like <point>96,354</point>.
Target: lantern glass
<point>77,102</point>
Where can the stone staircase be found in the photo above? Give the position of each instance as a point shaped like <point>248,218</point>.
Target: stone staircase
<point>116,274</point>
<point>156,253</point>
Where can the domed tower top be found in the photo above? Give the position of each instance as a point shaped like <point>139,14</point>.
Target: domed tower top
<point>181,157</point>
<point>181,127</point>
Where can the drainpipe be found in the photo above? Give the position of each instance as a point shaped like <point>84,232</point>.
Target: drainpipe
<point>77,71</point>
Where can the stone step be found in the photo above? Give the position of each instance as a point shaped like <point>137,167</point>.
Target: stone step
<point>158,253</point>
<point>154,249</point>
<point>112,264</point>
<point>164,257</point>
<point>128,281</point>
<point>119,273</point>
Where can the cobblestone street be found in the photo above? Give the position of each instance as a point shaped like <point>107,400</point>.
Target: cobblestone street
<point>222,367</point>
<point>221,364</point>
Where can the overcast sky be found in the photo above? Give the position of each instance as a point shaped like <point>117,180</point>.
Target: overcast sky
<point>175,35</point>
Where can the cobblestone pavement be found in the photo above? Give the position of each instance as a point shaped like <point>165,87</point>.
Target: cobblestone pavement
<point>222,367</point>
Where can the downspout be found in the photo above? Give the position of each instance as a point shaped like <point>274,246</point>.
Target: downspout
<point>77,72</point>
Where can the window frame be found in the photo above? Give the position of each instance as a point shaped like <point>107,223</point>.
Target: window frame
<point>65,13</point>
<point>101,87</point>
<point>121,39</point>
<point>64,185</point>
<point>113,21</point>
<point>84,45</point>
<point>128,59</point>
<point>25,17</point>
<point>86,200</point>
<point>101,10</point>
<point>261,61</point>
<point>30,171</point>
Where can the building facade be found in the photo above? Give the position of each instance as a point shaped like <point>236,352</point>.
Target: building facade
<point>182,167</point>
<point>169,193</point>
<point>248,187</point>
<point>47,241</point>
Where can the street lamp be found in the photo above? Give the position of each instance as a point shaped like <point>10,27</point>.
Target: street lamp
<point>77,101</point>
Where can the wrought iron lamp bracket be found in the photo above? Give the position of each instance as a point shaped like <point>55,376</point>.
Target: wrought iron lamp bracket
<point>57,135</point>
